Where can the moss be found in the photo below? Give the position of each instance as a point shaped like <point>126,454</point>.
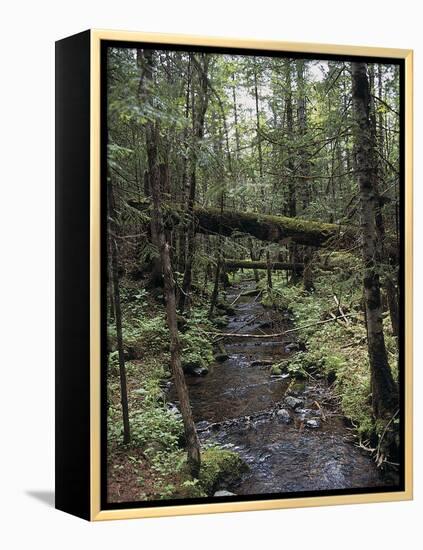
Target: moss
<point>275,370</point>
<point>279,368</point>
<point>219,466</point>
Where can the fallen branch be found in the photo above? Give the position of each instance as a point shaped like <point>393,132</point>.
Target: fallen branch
<point>275,266</point>
<point>337,302</point>
<point>337,319</point>
<point>236,299</point>
<point>278,334</point>
<point>380,456</point>
<point>321,411</point>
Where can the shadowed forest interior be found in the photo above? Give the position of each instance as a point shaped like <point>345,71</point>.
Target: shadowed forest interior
<point>253,263</point>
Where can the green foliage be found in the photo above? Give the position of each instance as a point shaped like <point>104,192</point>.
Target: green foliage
<point>196,348</point>
<point>140,333</point>
<point>156,429</point>
<point>339,352</point>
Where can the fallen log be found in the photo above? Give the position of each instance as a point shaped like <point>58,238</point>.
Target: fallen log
<point>268,228</point>
<point>278,229</point>
<point>277,266</point>
<point>277,334</point>
<point>261,226</point>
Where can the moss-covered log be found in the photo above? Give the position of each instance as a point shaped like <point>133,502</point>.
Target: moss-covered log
<point>261,226</point>
<point>265,227</point>
<point>269,228</point>
<point>277,266</point>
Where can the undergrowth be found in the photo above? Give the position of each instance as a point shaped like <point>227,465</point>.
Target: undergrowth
<point>336,349</point>
<point>157,434</point>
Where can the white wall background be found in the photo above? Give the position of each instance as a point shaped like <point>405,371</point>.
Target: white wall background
<point>29,29</point>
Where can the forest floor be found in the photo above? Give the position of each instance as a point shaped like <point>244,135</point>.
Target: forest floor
<point>278,406</point>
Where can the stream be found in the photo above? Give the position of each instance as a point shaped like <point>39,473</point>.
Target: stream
<point>290,433</point>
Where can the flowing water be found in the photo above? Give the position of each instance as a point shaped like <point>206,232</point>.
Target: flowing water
<point>290,434</point>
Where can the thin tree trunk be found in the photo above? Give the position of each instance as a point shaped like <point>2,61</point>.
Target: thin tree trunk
<point>215,292</point>
<point>269,271</point>
<point>292,199</point>
<point>304,183</point>
<point>192,442</point>
<point>198,117</point>
<point>384,391</point>
<point>145,63</point>
<point>118,314</point>
<point>256,98</point>
<point>391,291</point>
<point>254,258</point>
<point>235,108</point>
<point>308,279</point>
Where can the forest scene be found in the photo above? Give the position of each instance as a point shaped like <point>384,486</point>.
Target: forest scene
<point>253,264</point>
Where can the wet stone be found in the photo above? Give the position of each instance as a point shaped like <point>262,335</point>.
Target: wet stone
<point>261,363</point>
<point>223,493</point>
<point>202,425</point>
<point>284,416</point>
<point>199,371</point>
<point>293,402</point>
<point>221,357</point>
<point>313,423</point>
<point>307,412</point>
<point>293,346</point>
<point>173,409</point>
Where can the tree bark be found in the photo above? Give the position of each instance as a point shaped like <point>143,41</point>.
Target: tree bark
<point>254,257</point>
<point>384,391</point>
<point>145,63</point>
<point>118,314</point>
<point>304,181</point>
<point>192,442</point>
<point>258,135</point>
<point>269,271</point>
<point>215,293</point>
<point>387,281</point>
<point>198,117</point>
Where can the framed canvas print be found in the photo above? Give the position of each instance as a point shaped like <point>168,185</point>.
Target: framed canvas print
<point>234,275</point>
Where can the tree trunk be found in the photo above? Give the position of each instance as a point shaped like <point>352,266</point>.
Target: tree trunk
<point>235,109</point>
<point>192,442</point>
<point>384,391</point>
<point>193,445</point>
<point>145,63</point>
<point>198,117</point>
<point>215,293</point>
<point>258,135</point>
<point>291,207</point>
<point>118,314</point>
<point>308,279</point>
<point>304,181</point>
<point>389,286</point>
<point>254,257</point>
<point>269,271</point>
